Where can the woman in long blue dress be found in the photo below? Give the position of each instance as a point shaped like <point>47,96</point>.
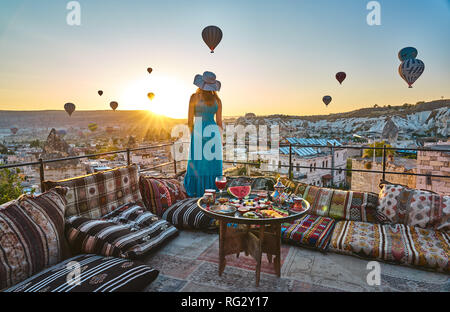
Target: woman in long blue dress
<point>205,155</point>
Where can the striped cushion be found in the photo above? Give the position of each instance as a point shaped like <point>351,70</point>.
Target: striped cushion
<point>186,214</point>
<point>311,231</point>
<point>97,274</point>
<point>31,235</point>
<point>393,243</point>
<point>97,194</point>
<point>159,194</point>
<point>126,232</point>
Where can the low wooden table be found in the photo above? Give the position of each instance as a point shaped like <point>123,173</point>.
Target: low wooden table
<point>252,240</point>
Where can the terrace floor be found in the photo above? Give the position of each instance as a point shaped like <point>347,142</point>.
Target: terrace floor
<point>189,263</point>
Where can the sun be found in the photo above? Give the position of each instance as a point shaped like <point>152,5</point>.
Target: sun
<point>171,96</point>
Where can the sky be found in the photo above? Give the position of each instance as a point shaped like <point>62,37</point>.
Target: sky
<point>276,57</point>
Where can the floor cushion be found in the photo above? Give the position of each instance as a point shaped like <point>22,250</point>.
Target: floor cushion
<point>159,194</point>
<point>311,231</point>
<point>400,204</point>
<point>339,204</point>
<point>186,214</point>
<point>97,274</point>
<point>129,231</point>
<point>97,194</point>
<point>396,243</point>
<point>31,235</point>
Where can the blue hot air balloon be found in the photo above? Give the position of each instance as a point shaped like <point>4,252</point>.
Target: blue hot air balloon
<point>407,53</point>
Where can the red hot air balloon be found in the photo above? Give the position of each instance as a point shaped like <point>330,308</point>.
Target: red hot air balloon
<point>100,92</point>
<point>14,130</point>
<point>70,108</point>
<point>114,105</point>
<point>212,35</point>
<point>326,99</point>
<point>340,76</point>
<point>149,70</point>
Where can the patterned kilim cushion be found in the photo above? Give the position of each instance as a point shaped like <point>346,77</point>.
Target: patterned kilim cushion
<point>97,274</point>
<point>31,235</point>
<point>393,243</point>
<point>312,231</point>
<point>400,204</point>
<point>338,204</point>
<point>128,232</point>
<point>160,194</point>
<point>186,214</point>
<point>97,194</point>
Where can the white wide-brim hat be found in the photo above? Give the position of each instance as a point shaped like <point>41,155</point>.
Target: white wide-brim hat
<point>207,81</point>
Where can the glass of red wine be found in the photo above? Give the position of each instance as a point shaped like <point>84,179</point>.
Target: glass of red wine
<point>221,183</point>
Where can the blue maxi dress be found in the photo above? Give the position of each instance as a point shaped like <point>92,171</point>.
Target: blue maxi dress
<point>205,155</point>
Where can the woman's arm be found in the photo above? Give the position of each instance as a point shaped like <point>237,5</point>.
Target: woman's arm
<point>219,114</point>
<point>191,112</point>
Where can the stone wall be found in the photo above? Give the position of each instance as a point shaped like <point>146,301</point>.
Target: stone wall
<point>437,163</point>
<point>369,182</point>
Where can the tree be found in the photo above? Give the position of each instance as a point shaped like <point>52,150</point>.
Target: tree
<point>368,153</point>
<point>10,185</point>
<point>35,143</point>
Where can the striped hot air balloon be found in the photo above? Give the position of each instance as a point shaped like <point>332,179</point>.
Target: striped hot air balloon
<point>212,35</point>
<point>410,70</point>
<point>92,126</point>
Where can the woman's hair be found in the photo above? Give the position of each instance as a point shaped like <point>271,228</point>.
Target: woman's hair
<point>208,96</point>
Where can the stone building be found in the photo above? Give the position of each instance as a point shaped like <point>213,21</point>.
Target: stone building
<point>437,163</point>
<point>369,182</point>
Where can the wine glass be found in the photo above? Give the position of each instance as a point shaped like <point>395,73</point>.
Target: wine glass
<point>221,183</point>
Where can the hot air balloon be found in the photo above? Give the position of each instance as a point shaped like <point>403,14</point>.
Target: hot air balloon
<point>151,96</point>
<point>340,76</point>
<point>92,126</point>
<point>14,130</point>
<point>212,35</point>
<point>407,53</point>
<point>149,70</point>
<point>70,108</point>
<point>114,105</point>
<point>326,99</point>
<point>100,92</point>
<point>410,70</point>
<point>61,132</point>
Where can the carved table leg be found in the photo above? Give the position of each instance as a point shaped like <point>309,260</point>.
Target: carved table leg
<point>222,234</point>
<point>258,256</point>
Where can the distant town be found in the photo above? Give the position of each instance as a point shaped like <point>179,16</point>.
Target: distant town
<point>26,137</point>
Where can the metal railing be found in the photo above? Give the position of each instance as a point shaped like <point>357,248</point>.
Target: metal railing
<point>332,148</point>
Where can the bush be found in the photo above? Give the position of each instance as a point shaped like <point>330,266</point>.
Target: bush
<point>10,187</point>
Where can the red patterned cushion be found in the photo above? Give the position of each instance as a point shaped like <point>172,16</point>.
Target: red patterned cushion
<point>31,235</point>
<point>160,194</point>
<point>97,194</point>
<point>400,204</point>
<point>312,231</point>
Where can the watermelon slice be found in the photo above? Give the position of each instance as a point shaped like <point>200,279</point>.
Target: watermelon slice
<point>240,191</point>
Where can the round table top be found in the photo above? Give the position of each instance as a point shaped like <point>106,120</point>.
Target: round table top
<point>238,218</point>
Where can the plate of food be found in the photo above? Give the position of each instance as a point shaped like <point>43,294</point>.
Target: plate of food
<point>223,209</point>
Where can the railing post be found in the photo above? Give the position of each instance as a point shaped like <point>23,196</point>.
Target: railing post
<point>128,157</point>
<point>332,164</point>
<point>384,162</point>
<point>41,174</point>
<point>174,158</point>
<point>290,161</point>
